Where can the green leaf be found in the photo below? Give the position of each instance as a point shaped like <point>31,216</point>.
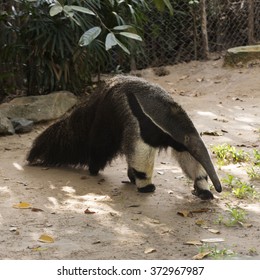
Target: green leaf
<point>110,41</point>
<point>56,9</point>
<point>122,27</point>
<point>89,36</point>
<point>112,2</point>
<point>131,35</point>
<point>81,9</point>
<point>132,11</point>
<point>122,46</point>
<point>68,11</point>
<point>160,5</point>
<point>169,6</point>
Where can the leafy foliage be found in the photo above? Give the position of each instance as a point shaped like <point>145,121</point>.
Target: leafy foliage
<point>215,252</point>
<point>241,189</point>
<point>227,154</point>
<point>59,44</point>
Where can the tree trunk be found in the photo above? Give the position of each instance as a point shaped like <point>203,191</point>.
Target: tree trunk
<point>204,30</point>
<point>251,19</point>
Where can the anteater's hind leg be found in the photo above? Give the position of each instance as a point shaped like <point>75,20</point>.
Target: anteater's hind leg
<point>193,169</point>
<point>140,166</point>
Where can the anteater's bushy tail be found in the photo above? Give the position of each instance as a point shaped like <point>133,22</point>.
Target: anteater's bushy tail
<point>65,142</point>
<point>90,136</point>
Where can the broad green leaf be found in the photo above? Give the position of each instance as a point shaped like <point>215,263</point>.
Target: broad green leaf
<point>110,41</point>
<point>56,9</point>
<point>169,6</point>
<point>122,46</point>
<point>89,36</point>
<point>131,35</point>
<point>81,9</point>
<point>122,27</point>
<point>68,11</point>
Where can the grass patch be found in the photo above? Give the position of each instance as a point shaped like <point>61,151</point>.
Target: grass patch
<point>237,216</point>
<point>215,252</point>
<point>227,154</point>
<point>254,171</point>
<point>240,189</point>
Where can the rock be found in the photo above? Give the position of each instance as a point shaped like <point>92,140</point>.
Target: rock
<point>22,125</point>
<point>39,108</point>
<point>6,126</point>
<point>241,56</point>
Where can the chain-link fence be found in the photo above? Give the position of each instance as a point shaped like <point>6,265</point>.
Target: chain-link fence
<point>198,28</point>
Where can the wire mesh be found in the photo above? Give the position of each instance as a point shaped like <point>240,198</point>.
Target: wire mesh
<point>178,38</point>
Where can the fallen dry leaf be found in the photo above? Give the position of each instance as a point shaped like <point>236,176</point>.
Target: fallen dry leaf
<point>199,80</point>
<point>46,238</point>
<point>101,181</point>
<point>245,225</point>
<point>185,213</point>
<point>212,240</point>
<point>13,229</point>
<point>201,256</point>
<point>36,210</point>
<point>212,133</point>
<point>221,120</point>
<point>22,205</point>
<point>193,242</point>
<point>87,211</point>
<point>183,77</point>
<point>212,230</point>
<point>154,221</point>
<point>149,250</point>
<point>201,223</point>
<point>133,205</point>
<point>38,248</point>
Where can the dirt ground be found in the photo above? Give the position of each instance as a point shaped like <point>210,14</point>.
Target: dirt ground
<point>104,218</point>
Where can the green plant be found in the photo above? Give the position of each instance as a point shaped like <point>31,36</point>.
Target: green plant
<point>244,190</point>
<point>41,40</point>
<point>252,252</point>
<point>240,189</point>
<point>254,173</point>
<point>227,154</point>
<point>229,180</point>
<point>215,252</point>
<point>256,157</point>
<point>44,48</point>
<point>237,216</point>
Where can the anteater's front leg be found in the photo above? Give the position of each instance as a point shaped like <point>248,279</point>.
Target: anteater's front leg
<point>140,166</point>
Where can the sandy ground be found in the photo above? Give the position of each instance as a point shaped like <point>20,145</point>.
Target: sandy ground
<point>103,218</point>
